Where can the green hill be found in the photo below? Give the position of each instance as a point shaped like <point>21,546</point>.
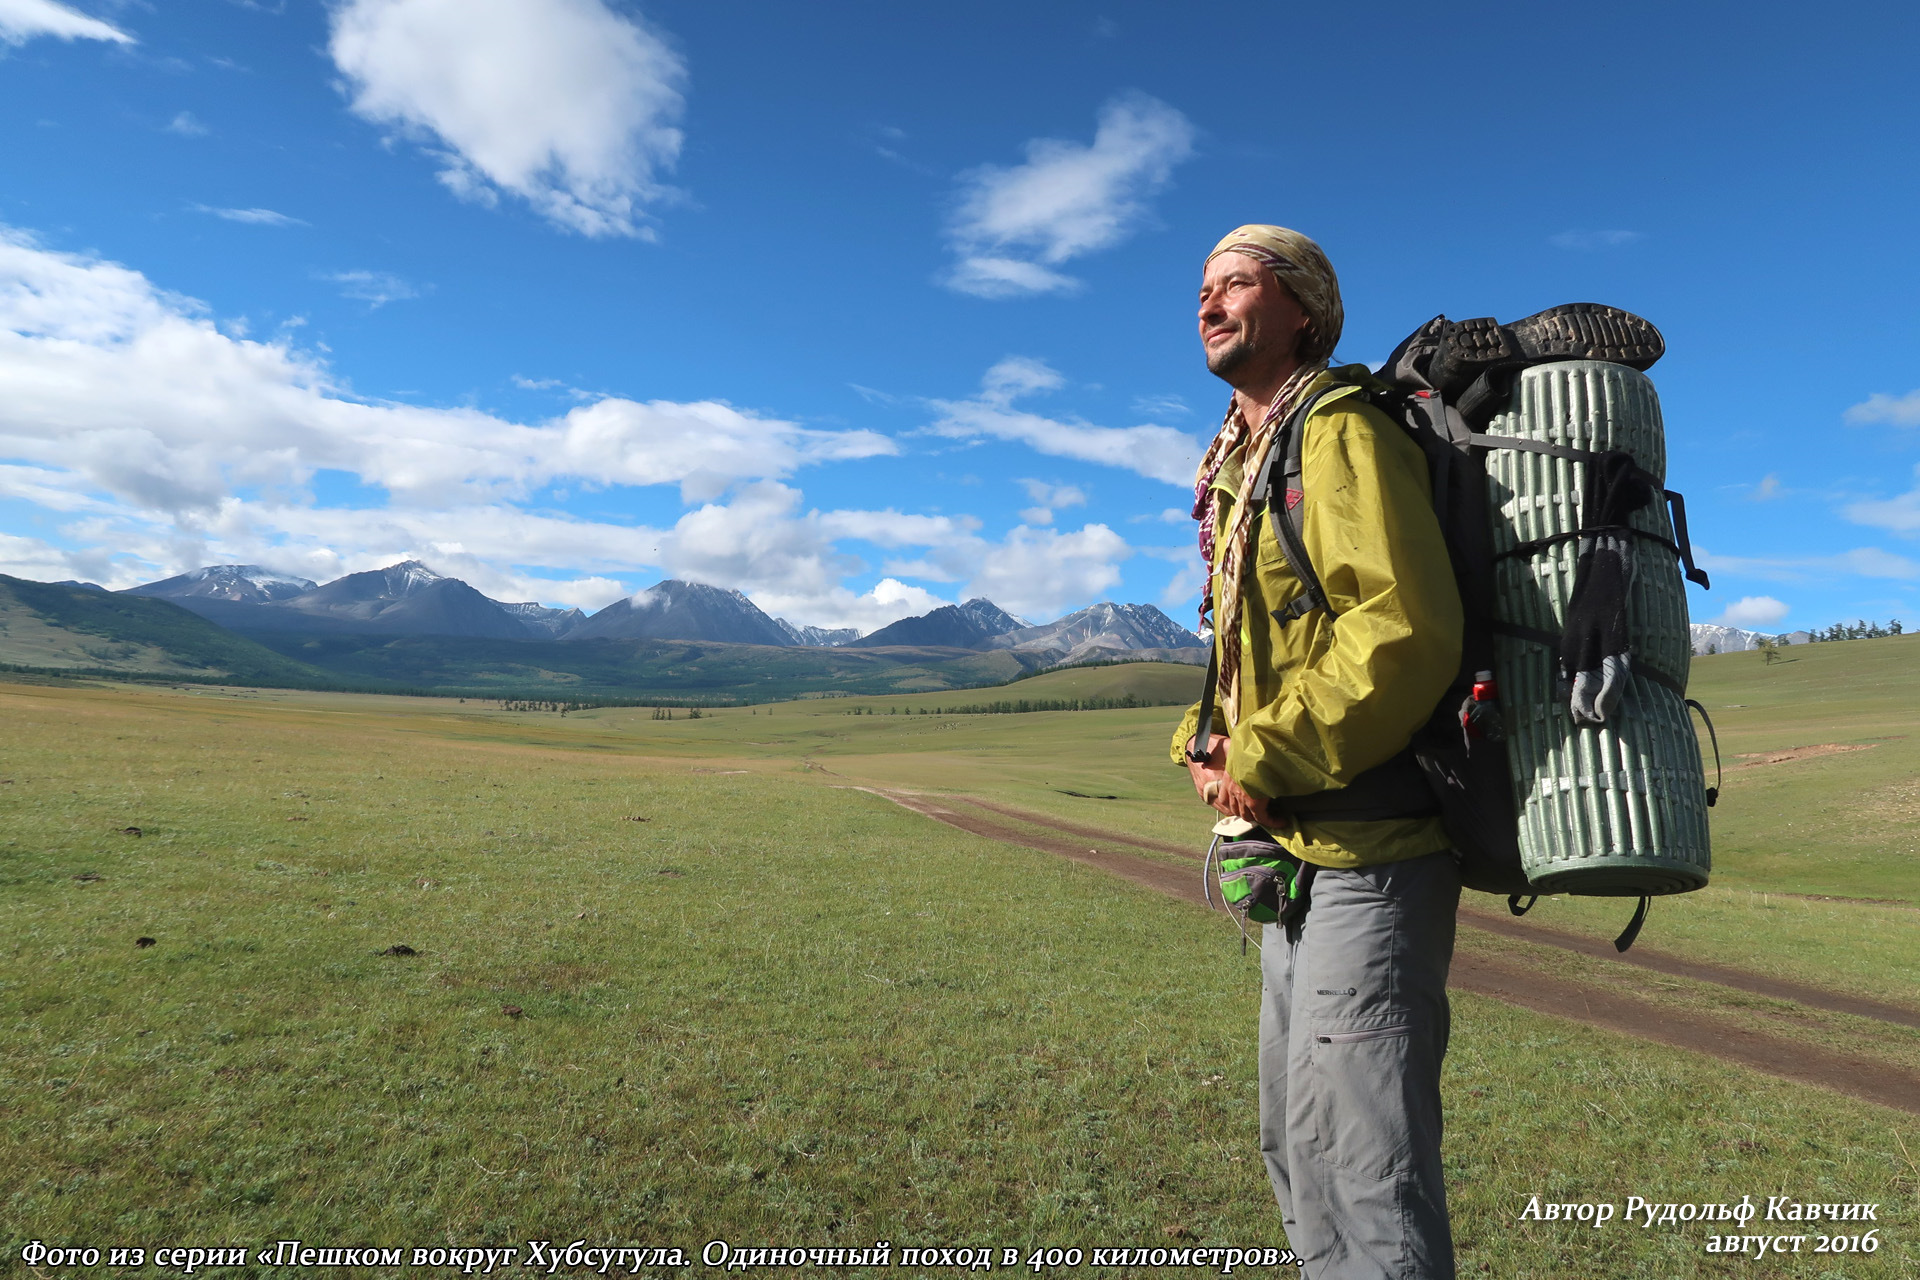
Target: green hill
<point>679,669</point>
<point>48,627</point>
<point>1822,764</point>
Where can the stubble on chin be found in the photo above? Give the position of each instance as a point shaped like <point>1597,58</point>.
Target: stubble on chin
<point>1225,360</point>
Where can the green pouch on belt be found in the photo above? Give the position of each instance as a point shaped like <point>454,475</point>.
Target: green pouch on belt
<point>1257,879</point>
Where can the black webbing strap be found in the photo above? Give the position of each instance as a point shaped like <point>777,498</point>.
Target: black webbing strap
<point>1289,526</point>
<point>1518,632</point>
<point>1682,544</point>
<point>1719,776</point>
<point>1553,539</point>
<point>1641,667</point>
<point>1632,930</point>
<point>1678,505</point>
<point>1513,903</point>
<point>1197,749</point>
<point>1535,446</point>
<point>1299,606</point>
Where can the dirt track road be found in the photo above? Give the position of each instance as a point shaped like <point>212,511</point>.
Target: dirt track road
<point>1519,978</point>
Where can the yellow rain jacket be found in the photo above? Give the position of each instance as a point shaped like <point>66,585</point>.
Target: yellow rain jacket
<point>1325,699</point>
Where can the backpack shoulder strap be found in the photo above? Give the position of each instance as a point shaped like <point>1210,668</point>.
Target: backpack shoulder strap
<point>1291,526</point>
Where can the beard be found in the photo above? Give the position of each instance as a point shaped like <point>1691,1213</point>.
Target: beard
<point>1230,357</point>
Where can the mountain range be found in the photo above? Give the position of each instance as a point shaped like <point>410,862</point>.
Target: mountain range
<point>410,599</point>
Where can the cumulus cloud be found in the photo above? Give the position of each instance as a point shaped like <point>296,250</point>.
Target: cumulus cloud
<point>120,388</point>
<point>1047,498</point>
<point>1015,226</point>
<point>161,443</point>
<point>792,563</point>
<point>22,20</point>
<point>1899,411</point>
<point>1159,453</point>
<point>1899,514</point>
<point>570,105</point>
<point>1753,611</point>
<point>1039,572</point>
<point>187,125</point>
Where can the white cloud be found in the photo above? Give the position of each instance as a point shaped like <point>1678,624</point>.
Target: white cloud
<point>1184,587</point>
<point>889,600</point>
<point>568,104</point>
<point>1588,241</point>
<point>1015,225</point>
<point>162,443</point>
<point>1900,411</point>
<point>1864,562</point>
<point>187,125</point>
<point>253,217</point>
<point>1900,514</point>
<point>22,20</point>
<point>1159,453</point>
<point>375,288</point>
<point>1753,611</point>
<point>1767,489</point>
<point>122,389</point>
<point>1040,572</point>
<point>1048,498</point>
<point>1161,406</point>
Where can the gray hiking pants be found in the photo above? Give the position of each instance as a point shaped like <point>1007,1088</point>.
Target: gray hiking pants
<point>1353,1025</point>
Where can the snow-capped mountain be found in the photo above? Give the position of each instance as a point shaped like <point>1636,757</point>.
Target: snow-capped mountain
<point>1711,637</point>
<point>409,599</point>
<point>241,583</point>
<point>550,622</point>
<point>820,637</point>
<point>676,610</point>
<point>403,599</point>
<point>1116,628</point>
<point>955,626</point>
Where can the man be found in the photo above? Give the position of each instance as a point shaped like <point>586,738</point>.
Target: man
<point>1353,1013</point>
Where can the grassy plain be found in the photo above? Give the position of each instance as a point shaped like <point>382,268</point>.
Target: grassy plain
<point>757,1004</point>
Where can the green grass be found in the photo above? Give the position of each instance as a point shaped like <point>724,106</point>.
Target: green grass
<point>1846,824</point>
<point>775,1011</point>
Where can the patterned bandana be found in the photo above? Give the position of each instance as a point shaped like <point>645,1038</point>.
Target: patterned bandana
<point>1297,263</point>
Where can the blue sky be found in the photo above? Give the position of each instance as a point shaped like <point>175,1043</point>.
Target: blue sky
<point>863,309</point>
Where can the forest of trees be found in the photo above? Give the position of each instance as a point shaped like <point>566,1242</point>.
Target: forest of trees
<point>1855,631</point>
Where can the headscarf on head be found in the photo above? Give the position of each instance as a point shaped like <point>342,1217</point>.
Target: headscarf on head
<point>1300,265</point>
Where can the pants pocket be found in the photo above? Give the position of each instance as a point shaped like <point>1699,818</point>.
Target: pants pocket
<point>1364,1101</point>
<point>1355,1037</point>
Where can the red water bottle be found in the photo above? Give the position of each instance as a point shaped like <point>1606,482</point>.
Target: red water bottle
<point>1480,713</point>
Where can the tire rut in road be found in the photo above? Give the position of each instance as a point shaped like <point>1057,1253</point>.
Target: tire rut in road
<point>1502,979</point>
<point>1508,926</point>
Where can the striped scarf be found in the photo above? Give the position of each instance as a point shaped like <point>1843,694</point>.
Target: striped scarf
<point>1226,610</point>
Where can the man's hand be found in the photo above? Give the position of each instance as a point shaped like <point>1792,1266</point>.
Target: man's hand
<point>1210,780</point>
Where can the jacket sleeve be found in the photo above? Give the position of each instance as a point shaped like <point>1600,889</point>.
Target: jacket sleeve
<point>1189,725</point>
<point>1371,675</point>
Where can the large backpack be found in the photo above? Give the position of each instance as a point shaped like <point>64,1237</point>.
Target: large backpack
<point>1443,385</point>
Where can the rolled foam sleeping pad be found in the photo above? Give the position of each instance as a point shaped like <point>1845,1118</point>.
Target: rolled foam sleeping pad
<point>1618,809</point>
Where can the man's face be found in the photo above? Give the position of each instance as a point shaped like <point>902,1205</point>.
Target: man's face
<point>1249,323</point>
